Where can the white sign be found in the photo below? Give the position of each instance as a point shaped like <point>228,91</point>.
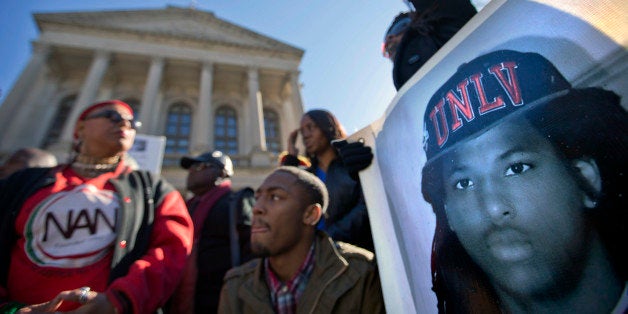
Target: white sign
<point>440,108</point>
<point>148,152</point>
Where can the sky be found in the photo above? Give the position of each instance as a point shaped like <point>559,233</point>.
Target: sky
<point>342,70</point>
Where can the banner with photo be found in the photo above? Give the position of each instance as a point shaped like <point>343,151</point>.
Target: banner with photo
<point>499,178</point>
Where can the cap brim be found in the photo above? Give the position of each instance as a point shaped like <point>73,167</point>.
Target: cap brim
<point>186,162</point>
<point>535,105</point>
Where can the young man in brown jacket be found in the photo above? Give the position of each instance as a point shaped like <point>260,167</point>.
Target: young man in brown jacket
<point>301,270</point>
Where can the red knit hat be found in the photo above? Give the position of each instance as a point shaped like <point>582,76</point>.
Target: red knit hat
<point>95,106</point>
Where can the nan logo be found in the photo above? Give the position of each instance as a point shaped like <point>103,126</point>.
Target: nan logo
<point>72,229</point>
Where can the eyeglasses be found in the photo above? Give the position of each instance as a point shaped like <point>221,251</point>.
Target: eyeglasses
<point>395,30</point>
<point>115,117</point>
<point>398,27</point>
<point>202,165</point>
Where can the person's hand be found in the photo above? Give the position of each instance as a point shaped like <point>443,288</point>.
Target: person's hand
<point>355,156</point>
<point>292,143</point>
<point>92,301</point>
<point>46,307</point>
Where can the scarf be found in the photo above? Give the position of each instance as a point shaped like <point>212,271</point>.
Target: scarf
<point>183,297</point>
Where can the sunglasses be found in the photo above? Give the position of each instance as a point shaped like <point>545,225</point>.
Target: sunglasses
<point>115,117</point>
<point>399,27</point>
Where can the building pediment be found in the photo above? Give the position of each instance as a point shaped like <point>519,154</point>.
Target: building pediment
<point>172,23</point>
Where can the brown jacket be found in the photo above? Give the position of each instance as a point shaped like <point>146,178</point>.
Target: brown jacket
<point>344,280</point>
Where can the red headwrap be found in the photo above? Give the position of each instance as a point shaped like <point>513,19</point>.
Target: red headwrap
<point>95,106</point>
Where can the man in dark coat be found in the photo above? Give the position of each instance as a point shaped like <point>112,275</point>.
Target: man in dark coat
<point>222,225</point>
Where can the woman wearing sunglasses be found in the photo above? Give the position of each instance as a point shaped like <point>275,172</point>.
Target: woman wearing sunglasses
<point>92,234</point>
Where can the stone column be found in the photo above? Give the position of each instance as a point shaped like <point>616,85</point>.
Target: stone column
<point>255,121</point>
<point>297,103</point>
<point>202,121</point>
<point>45,110</point>
<point>148,105</point>
<point>14,101</point>
<point>289,119</point>
<point>24,127</point>
<point>292,108</point>
<point>88,92</point>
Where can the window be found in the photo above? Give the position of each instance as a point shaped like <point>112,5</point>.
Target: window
<point>226,130</point>
<point>61,116</point>
<point>273,133</point>
<point>178,128</point>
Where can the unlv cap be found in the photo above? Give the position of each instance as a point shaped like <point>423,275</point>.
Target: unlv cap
<point>485,91</point>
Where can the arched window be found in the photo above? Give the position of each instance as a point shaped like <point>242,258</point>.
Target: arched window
<point>61,116</point>
<point>178,128</point>
<point>226,130</point>
<point>273,133</point>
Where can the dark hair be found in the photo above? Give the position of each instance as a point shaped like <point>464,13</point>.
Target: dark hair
<point>586,122</point>
<point>398,18</point>
<point>328,123</point>
<point>315,189</point>
<point>35,157</point>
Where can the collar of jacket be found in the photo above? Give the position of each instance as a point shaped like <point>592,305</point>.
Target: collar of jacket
<point>331,269</point>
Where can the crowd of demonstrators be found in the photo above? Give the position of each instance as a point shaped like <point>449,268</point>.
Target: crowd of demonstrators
<point>98,235</point>
<point>28,157</point>
<point>92,235</point>
<point>125,219</point>
<point>222,231</point>
<point>300,269</point>
<point>347,217</point>
<point>415,36</point>
<point>529,196</point>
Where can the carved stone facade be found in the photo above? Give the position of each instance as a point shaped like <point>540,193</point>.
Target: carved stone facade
<point>203,82</point>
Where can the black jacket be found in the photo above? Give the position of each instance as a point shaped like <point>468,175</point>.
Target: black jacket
<point>214,248</point>
<point>435,22</point>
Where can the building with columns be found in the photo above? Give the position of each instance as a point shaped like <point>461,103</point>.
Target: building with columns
<point>202,82</point>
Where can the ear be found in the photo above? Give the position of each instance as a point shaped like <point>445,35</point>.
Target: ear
<point>591,180</point>
<point>312,214</point>
<point>80,126</point>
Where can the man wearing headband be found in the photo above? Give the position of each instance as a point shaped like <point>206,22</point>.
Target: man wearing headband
<point>526,176</point>
<point>415,36</point>
<point>92,234</point>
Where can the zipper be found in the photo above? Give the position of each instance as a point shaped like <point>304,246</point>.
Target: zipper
<point>320,294</point>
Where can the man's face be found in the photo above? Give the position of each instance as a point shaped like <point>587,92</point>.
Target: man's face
<point>517,210</point>
<point>202,177</point>
<point>314,140</point>
<point>277,215</point>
